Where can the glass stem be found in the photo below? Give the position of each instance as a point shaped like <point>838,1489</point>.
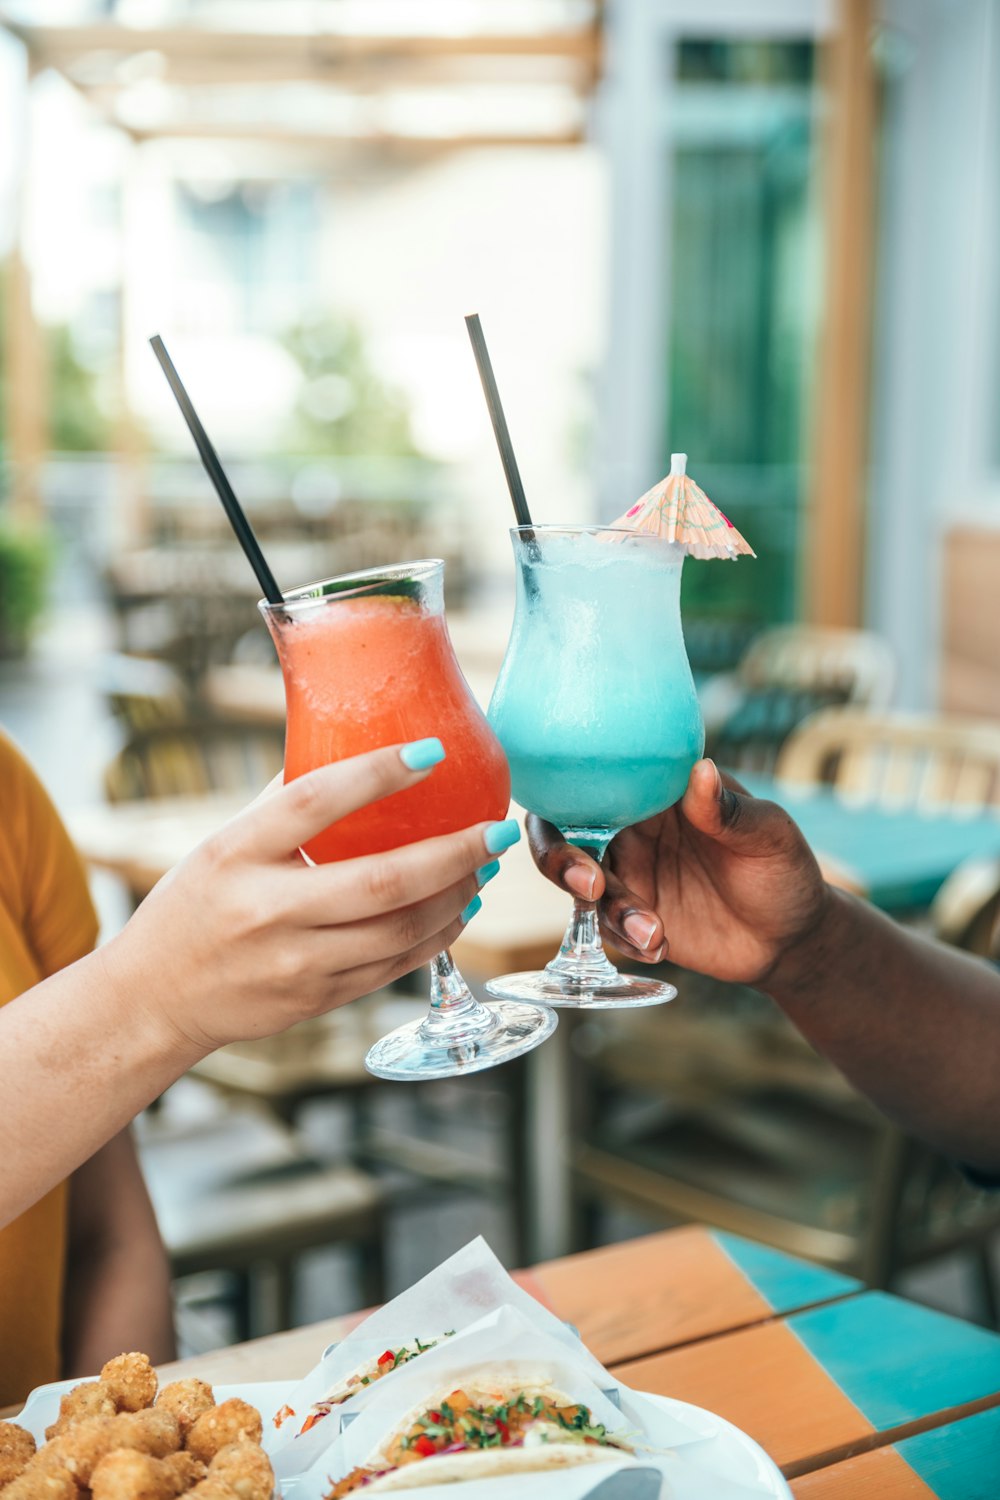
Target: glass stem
<point>455,1014</point>
<point>449,991</point>
<point>581,958</point>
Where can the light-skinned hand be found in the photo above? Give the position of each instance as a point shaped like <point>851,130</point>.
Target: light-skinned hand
<point>243,938</point>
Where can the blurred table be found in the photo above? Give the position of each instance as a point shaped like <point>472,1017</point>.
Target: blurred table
<point>862,1393</point>
<point>899,859</point>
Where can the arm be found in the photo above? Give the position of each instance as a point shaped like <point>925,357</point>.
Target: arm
<point>912,1024</point>
<point>242,940</point>
<point>726,885</point>
<point>118,1282</point>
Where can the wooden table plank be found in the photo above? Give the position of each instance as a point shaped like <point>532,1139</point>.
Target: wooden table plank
<point>835,1381</point>
<point>277,1356</point>
<point>879,1475</point>
<point>959,1461</point>
<point>690,1288</point>
<point>765,1381</point>
<point>695,1283</point>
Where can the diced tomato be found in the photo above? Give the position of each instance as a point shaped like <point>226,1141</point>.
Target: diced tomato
<point>387,1358</point>
<point>435,1416</point>
<point>283,1415</point>
<point>424,1447</point>
<point>503,1430</point>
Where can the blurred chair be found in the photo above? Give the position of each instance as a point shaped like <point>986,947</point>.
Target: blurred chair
<point>143,693</point>
<point>787,674</point>
<point>240,1193</point>
<point>898,760</point>
<point>187,760</point>
<point>966,910</point>
<point>855,665</point>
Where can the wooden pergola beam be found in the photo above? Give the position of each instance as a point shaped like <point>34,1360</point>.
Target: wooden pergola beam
<point>377,141</point>
<point>834,564</point>
<point>63,47</point>
<point>357,77</point>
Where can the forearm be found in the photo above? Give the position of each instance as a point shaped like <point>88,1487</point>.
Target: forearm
<point>80,1055</point>
<point>117,1293</point>
<point>118,1298</point>
<point>911,1023</point>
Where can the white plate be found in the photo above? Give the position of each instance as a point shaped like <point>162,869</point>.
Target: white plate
<point>734,1455</point>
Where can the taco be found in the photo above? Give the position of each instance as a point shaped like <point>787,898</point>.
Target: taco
<point>366,1375</point>
<point>478,1432</point>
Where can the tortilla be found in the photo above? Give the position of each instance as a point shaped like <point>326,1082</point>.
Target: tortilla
<point>487,1427</point>
<point>366,1375</point>
<point>460,1468</point>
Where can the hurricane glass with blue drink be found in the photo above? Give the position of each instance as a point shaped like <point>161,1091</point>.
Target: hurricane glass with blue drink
<point>596,710</point>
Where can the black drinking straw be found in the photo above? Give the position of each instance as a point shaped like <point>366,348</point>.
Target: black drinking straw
<point>499,421</point>
<point>216,473</point>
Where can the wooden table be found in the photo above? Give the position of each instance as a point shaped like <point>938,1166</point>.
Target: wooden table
<point>855,1394</point>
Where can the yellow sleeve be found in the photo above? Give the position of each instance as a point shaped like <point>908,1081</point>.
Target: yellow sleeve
<point>43,883</point>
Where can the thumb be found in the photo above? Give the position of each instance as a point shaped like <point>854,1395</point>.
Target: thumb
<point>719,807</point>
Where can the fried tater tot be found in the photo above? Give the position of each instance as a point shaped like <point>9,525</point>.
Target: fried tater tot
<point>186,1469</point>
<point>89,1399</point>
<point>212,1488</point>
<point>153,1431</point>
<point>187,1399</point>
<point>38,1483</point>
<point>128,1475</point>
<point>247,1470</point>
<point>80,1448</point>
<point>233,1421</point>
<point>131,1380</point>
<point>16,1447</point>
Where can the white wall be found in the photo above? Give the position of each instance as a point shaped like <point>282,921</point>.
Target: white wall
<point>938,316</point>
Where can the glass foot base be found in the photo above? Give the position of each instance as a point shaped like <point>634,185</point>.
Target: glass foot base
<point>611,992</point>
<point>487,1036</point>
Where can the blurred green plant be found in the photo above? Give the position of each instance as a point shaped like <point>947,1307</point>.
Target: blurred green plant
<point>77,420</point>
<point>26,558</point>
<point>344,408</point>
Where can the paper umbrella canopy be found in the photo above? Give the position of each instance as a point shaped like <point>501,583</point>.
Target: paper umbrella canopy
<point>677,510</point>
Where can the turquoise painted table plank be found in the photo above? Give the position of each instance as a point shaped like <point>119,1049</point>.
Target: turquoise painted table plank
<point>899,1362</point>
<point>960,1461</point>
<point>783,1280</point>
<point>903,858</point>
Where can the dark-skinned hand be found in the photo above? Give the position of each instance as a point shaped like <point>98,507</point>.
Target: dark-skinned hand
<point>722,882</point>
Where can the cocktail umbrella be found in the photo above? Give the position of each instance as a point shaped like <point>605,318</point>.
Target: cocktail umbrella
<point>677,510</point>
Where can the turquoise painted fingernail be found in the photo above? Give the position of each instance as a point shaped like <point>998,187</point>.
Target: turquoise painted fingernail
<point>485,873</point>
<point>422,754</point>
<point>500,836</point>
<point>470,911</point>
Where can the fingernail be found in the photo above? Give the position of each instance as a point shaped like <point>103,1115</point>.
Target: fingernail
<point>581,881</point>
<point>422,754</point>
<point>718,777</point>
<point>500,836</point>
<point>640,929</point>
<point>486,872</point>
<point>470,911</point>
